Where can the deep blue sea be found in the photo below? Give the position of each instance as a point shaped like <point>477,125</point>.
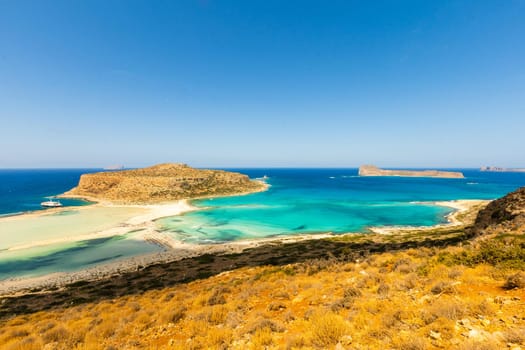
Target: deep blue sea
<point>22,190</point>
<point>298,201</point>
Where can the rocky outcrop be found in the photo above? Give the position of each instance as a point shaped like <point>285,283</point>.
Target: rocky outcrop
<point>504,215</point>
<point>161,183</point>
<point>371,170</point>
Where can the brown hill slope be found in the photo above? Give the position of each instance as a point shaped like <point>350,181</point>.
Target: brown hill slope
<point>504,215</point>
<point>163,182</point>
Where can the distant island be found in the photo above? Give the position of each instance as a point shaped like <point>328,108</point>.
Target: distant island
<point>371,170</point>
<point>502,170</point>
<point>114,167</point>
<point>162,183</point>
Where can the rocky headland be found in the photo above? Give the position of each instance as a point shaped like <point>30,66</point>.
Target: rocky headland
<point>503,215</point>
<point>162,183</point>
<point>371,170</point>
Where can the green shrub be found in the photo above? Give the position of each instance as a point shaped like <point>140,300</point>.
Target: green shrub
<point>509,254</point>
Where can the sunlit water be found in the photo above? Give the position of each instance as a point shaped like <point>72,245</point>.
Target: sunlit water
<point>299,201</point>
<point>24,230</point>
<point>331,200</point>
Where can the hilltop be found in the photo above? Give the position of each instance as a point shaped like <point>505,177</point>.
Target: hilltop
<point>162,183</point>
<point>504,215</point>
<point>371,170</point>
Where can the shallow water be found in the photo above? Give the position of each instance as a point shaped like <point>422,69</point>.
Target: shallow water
<point>42,258</point>
<point>28,229</point>
<point>71,256</point>
<point>303,201</point>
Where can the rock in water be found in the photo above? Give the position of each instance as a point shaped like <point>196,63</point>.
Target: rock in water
<point>161,183</point>
<point>371,170</point>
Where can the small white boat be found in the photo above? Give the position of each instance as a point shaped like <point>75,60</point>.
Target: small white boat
<point>51,203</point>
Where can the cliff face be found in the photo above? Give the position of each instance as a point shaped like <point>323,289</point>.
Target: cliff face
<point>371,170</point>
<point>163,182</point>
<point>504,215</point>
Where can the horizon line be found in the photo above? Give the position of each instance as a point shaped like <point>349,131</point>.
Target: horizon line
<point>249,167</point>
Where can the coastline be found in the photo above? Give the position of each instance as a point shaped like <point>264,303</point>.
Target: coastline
<point>458,217</point>
<point>144,221</point>
<point>177,250</point>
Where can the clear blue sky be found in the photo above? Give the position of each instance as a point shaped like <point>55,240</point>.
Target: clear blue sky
<point>262,83</point>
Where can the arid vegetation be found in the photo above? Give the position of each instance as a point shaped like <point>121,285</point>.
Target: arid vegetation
<point>161,183</point>
<point>468,297</point>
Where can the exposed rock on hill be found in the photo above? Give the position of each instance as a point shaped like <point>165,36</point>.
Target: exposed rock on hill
<point>506,214</point>
<point>163,182</point>
<point>371,170</point>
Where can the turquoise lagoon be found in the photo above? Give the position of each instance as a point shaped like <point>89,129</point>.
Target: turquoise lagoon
<point>303,201</point>
<point>299,201</point>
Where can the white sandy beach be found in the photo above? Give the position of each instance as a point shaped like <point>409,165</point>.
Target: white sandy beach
<point>131,217</point>
<point>460,207</point>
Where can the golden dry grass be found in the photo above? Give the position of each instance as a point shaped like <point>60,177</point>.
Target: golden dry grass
<point>404,300</point>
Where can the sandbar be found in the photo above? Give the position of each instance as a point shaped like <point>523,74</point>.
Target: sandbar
<point>47,227</point>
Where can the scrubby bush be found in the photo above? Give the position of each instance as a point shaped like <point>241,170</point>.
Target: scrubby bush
<point>516,280</point>
<point>500,253</point>
<point>327,329</point>
<point>217,296</point>
<point>443,287</point>
<point>412,343</point>
<point>450,309</point>
<point>262,323</point>
<point>173,315</point>
<point>515,335</point>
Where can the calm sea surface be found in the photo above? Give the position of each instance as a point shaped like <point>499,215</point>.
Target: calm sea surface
<point>24,190</point>
<point>298,201</point>
<point>332,200</point>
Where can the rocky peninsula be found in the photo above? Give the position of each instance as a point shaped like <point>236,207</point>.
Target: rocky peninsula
<point>371,170</point>
<point>162,183</point>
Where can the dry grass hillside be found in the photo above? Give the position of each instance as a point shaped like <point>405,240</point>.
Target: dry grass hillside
<point>448,288</point>
<point>160,183</point>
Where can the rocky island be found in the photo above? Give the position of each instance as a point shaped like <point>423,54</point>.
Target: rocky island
<point>162,183</point>
<point>371,170</point>
<point>502,170</point>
